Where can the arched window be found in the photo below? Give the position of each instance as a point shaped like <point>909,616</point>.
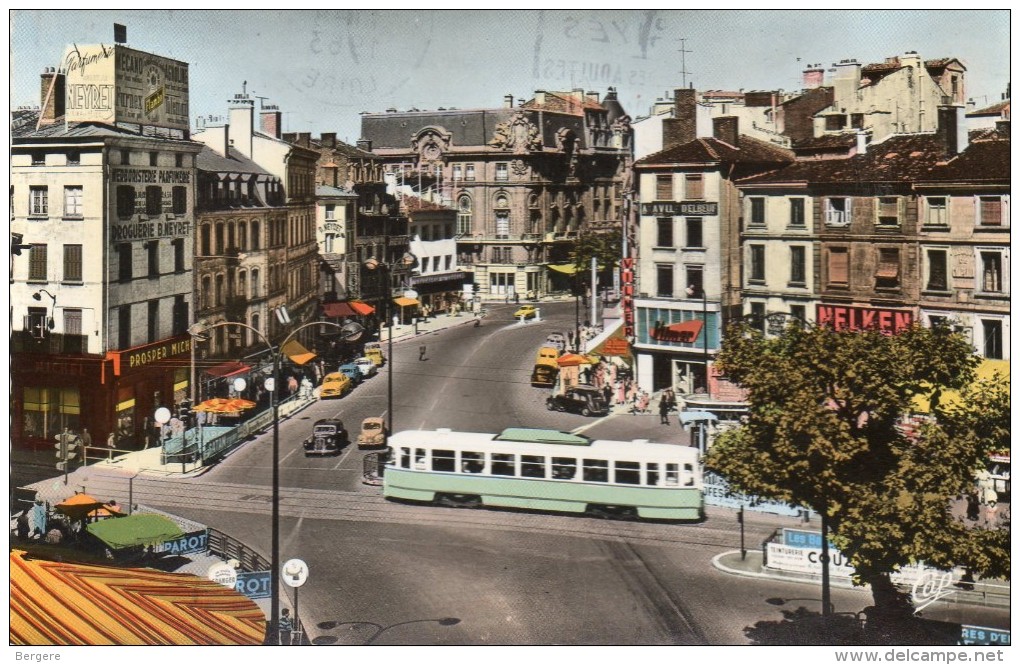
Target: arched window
<point>254,282</point>
<point>242,283</point>
<point>255,239</point>
<point>206,240</point>
<point>242,236</point>
<point>230,236</point>
<point>219,291</point>
<point>206,292</point>
<point>464,215</point>
<point>219,238</point>
<point>502,206</point>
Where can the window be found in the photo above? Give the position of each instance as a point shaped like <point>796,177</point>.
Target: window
<point>38,158</point>
<point>180,200</point>
<point>153,200</point>
<point>125,269</point>
<point>694,186</point>
<point>857,121</point>
<point>837,211</point>
<point>835,122</point>
<point>990,211</point>
<point>178,244</point>
<point>125,157</point>
<point>564,468</point>
<point>471,462</point>
<point>255,237</point>
<point>532,466</point>
<point>992,332</point>
<point>797,265</point>
<point>839,266</point>
<point>757,211</point>
<point>37,263</point>
<point>888,211</point>
<point>799,312</point>
<point>125,201</point>
<point>124,327</point>
<point>695,281</point>
<point>758,316</point>
<point>180,316</point>
<point>664,238</point>
<point>219,238</point>
<point>464,215</point>
<point>153,320</point>
<point>936,211</point>
<point>502,172</point>
<point>938,275</point>
<point>991,272</point>
<point>444,460</point>
<point>448,262</point>
<point>502,224</point>
<point>435,263</point>
<point>664,280</point>
<point>73,158</point>
<point>503,464</point>
<point>153,159</point>
<point>627,473</point>
<point>72,263</point>
<point>797,212</point>
<point>330,211</point>
<point>38,203</point>
<point>595,471</point>
<point>73,340</point>
<point>458,173</point>
<point>152,248</point>
<point>694,232</point>
<point>757,273</point>
<point>888,274</point>
<point>72,201</point>
<point>664,187</point>
<point>179,160</point>
<point>35,322</point>
<point>469,174</point>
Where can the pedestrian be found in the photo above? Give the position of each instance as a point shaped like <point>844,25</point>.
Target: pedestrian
<point>972,507</point>
<point>517,299</point>
<point>285,627</point>
<point>664,409</point>
<point>621,394</point>
<point>642,402</point>
<point>86,438</point>
<point>421,352</point>
<point>607,393</point>
<point>23,525</point>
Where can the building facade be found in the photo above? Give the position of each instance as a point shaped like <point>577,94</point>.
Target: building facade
<point>436,278</point>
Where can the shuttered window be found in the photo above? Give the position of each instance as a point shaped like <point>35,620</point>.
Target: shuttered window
<point>664,187</point>
<point>991,211</point>
<point>37,263</point>
<point>694,186</point>
<point>839,266</point>
<point>72,263</point>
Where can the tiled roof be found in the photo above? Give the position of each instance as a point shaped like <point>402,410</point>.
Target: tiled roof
<point>843,140</point>
<point>984,160</point>
<point>212,161</point>
<point>23,124</point>
<point>417,204</point>
<point>903,158</point>
<point>994,109</point>
<point>750,151</point>
<point>939,63</point>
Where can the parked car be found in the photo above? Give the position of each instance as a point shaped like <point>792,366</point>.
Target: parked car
<point>335,384</point>
<point>373,433</point>
<point>584,400</point>
<point>351,371</point>
<point>328,437</point>
<point>527,311</point>
<point>557,341</point>
<point>374,352</point>
<point>367,367</point>
<point>547,355</point>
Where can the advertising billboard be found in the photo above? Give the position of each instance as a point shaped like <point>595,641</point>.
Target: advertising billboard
<point>113,84</point>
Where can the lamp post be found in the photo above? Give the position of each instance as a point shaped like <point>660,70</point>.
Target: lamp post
<point>198,330</point>
<point>374,264</point>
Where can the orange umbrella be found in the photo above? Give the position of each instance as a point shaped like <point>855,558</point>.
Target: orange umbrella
<point>79,505</point>
<point>572,360</point>
<point>224,405</point>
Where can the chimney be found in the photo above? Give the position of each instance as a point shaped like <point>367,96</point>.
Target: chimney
<point>304,139</point>
<point>52,88</point>
<point>952,131</point>
<point>683,126</point>
<point>540,97</point>
<point>862,143</point>
<point>242,118</point>
<point>328,140</point>
<point>365,144</point>
<point>593,96</point>
<point>508,101</point>
<point>290,137</point>
<point>1002,127</point>
<point>726,129</point>
<point>271,121</point>
<point>224,149</point>
<point>814,77</point>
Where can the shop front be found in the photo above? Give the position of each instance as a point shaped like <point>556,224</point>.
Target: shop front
<point>438,293</point>
<point>674,342</point>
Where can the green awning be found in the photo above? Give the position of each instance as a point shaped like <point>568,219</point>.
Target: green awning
<point>134,530</point>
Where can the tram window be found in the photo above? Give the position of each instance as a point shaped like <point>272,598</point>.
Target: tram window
<point>672,474</point>
<point>688,475</point>
<point>443,460</point>
<point>420,459</point>
<point>596,470</point>
<point>472,462</point>
<point>532,466</point>
<point>628,473</point>
<point>652,474</point>
<point>564,468</point>
<point>503,464</point>
<point>405,458</point>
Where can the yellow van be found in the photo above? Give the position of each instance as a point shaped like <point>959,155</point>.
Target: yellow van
<point>374,352</point>
<point>547,354</point>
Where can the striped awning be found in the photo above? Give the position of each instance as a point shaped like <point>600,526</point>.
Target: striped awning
<point>73,604</point>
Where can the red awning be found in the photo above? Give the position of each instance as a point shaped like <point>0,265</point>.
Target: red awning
<point>364,309</point>
<point>336,309</point>
<point>227,369</point>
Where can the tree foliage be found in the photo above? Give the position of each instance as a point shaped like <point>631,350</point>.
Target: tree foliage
<point>823,432</point>
<point>606,246</point>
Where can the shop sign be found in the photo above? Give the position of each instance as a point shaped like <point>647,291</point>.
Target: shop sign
<point>254,585</point>
<point>150,353</point>
<point>189,543</point>
<point>842,317</point>
<point>678,208</point>
<point>982,636</point>
<point>627,296</point>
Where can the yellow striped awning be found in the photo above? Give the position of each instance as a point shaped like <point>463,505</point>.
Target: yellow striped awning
<point>72,604</point>
<point>405,302</point>
<point>297,353</point>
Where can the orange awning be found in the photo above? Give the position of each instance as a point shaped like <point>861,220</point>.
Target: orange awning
<point>335,309</point>
<point>227,369</point>
<point>405,302</point>
<point>72,604</point>
<point>362,308</point>
<point>298,354</point>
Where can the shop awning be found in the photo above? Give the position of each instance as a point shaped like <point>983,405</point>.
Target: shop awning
<point>71,604</point>
<point>227,369</point>
<point>298,354</point>
<point>406,302</point>
<point>565,268</point>
<point>697,416</point>
<point>135,530</point>
<point>364,309</point>
<point>337,309</point>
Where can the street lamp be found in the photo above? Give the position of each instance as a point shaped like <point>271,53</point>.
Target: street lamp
<point>198,330</point>
<point>692,290</point>
<point>374,264</point>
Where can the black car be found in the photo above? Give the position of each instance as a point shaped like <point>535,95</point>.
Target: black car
<point>580,399</point>
<point>328,437</point>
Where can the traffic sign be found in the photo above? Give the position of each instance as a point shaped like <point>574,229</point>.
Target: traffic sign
<point>295,572</point>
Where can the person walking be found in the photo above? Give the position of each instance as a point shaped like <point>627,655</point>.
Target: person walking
<point>664,409</point>
<point>86,439</point>
<point>285,626</point>
<point>421,352</point>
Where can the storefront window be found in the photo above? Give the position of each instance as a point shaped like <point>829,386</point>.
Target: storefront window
<point>48,411</point>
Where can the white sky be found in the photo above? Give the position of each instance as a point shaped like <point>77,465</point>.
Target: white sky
<point>324,67</point>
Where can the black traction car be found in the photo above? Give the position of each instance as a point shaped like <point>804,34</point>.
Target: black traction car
<point>584,400</point>
<point>328,438</point>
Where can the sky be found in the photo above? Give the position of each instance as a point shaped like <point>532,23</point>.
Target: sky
<point>324,67</point>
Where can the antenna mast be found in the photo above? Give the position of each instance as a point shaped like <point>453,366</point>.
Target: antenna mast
<point>683,60</point>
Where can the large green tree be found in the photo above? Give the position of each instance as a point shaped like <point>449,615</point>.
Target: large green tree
<point>823,433</point>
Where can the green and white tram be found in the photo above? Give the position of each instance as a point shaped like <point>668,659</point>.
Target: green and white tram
<point>542,469</point>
